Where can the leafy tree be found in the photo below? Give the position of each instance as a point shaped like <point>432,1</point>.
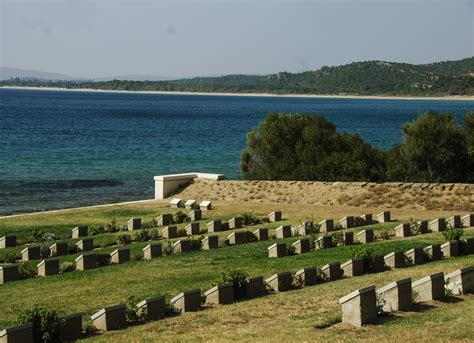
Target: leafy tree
<point>304,147</point>
<point>434,149</point>
<point>469,127</point>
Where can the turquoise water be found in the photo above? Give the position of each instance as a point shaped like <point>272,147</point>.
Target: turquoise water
<point>62,149</point>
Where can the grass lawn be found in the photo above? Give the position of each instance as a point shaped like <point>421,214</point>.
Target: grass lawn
<point>295,315</point>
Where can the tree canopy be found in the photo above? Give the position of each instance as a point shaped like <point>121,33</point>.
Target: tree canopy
<point>434,148</point>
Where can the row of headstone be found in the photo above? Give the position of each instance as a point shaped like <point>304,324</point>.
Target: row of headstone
<point>57,249</point>
<point>219,225</point>
<point>435,225</point>
<point>323,242</point>
<point>360,307</point>
<point>167,218</point>
<point>71,330</point>
<point>205,205</point>
<point>348,222</point>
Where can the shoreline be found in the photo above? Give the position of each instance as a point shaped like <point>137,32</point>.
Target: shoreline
<point>315,96</point>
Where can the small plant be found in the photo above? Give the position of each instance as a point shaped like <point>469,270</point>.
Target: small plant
<point>359,221</point>
<point>367,254</point>
<point>290,250</point>
<point>414,227</point>
<point>338,238</point>
<point>171,311</point>
<point>44,251</point>
<point>67,267</point>
<point>26,270</point>
<point>132,314</point>
<point>71,248</point>
<point>154,223</point>
<point>154,234</point>
<point>297,281</point>
<point>196,244</point>
<point>95,230</point>
<point>249,218</point>
<point>40,236</point>
<point>142,236</point>
<point>11,257</point>
<point>124,239</point>
<point>88,329</point>
<point>112,226</point>
<point>167,248</point>
<point>384,234</point>
<point>102,260</point>
<point>180,217</point>
<point>453,234</point>
<point>250,237</point>
<point>447,291</point>
<point>380,303</point>
<point>182,232</point>
<point>239,279</point>
<point>195,206</point>
<point>46,323</point>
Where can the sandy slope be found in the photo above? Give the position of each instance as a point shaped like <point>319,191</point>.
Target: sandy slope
<point>402,196</point>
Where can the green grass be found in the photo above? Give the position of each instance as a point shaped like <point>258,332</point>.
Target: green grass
<point>91,290</point>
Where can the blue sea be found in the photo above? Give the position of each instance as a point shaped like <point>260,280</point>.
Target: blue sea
<point>61,149</point>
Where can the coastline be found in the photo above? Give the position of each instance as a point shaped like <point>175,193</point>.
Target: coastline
<point>368,97</point>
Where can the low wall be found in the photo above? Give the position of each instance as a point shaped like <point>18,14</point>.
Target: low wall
<point>165,185</point>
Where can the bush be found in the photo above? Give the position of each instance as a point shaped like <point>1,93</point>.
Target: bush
<point>196,244</point>
<point>453,234</point>
<point>124,239</point>
<point>26,270</point>
<point>67,267</point>
<point>308,147</point>
<point>239,279</point>
<point>44,251</point>
<point>250,237</point>
<point>142,236</point>
<point>249,218</point>
<point>40,236</point>
<point>46,323</point>
<point>290,250</point>
<point>112,226</point>
<point>367,254</point>
<point>154,234</point>
<point>180,217</point>
<point>384,234</point>
<point>132,313</point>
<point>167,248</point>
<point>338,238</point>
<point>95,230</point>
<point>171,311</point>
<point>181,232</point>
<point>11,257</point>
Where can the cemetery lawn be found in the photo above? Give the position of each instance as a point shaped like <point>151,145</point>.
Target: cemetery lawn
<point>311,313</point>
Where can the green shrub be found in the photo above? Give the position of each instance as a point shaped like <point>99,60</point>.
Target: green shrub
<point>384,234</point>
<point>239,279</point>
<point>196,244</point>
<point>180,217</point>
<point>167,248</point>
<point>249,218</point>
<point>96,230</point>
<point>338,238</point>
<point>67,267</point>
<point>46,323</point>
<point>112,226</point>
<point>132,313</point>
<point>124,239</point>
<point>44,251</point>
<point>290,250</point>
<point>453,234</point>
<point>40,236</point>
<point>26,270</point>
<point>250,237</point>
<point>142,236</point>
<point>368,254</point>
<point>181,232</point>
<point>11,257</point>
<point>154,234</point>
<point>171,311</point>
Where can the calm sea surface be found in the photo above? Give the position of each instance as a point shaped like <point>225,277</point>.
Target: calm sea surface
<point>64,149</point>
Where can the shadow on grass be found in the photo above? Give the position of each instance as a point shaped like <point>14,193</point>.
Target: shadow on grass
<point>420,307</point>
<point>449,299</point>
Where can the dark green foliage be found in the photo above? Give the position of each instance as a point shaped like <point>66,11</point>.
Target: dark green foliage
<point>304,147</point>
<point>249,218</point>
<point>40,236</point>
<point>124,239</point>
<point>171,311</point>
<point>46,323</point>
<point>338,238</point>
<point>112,226</point>
<point>142,236</point>
<point>132,314</point>
<point>180,217</point>
<point>167,248</point>
<point>453,234</point>
<point>250,237</point>
<point>361,78</point>
<point>469,130</point>
<point>434,149</point>
<point>368,254</point>
<point>11,257</point>
<point>239,279</point>
<point>44,251</point>
<point>196,244</point>
<point>26,270</point>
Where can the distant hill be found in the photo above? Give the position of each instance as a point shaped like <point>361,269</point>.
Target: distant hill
<point>358,78</point>
<point>24,74</point>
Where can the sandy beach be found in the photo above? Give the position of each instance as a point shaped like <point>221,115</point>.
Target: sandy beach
<point>374,97</point>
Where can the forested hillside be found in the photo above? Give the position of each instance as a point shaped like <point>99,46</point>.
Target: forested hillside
<point>358,78</point>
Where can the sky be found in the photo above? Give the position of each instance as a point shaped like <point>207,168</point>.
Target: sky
<point>105,38</point>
